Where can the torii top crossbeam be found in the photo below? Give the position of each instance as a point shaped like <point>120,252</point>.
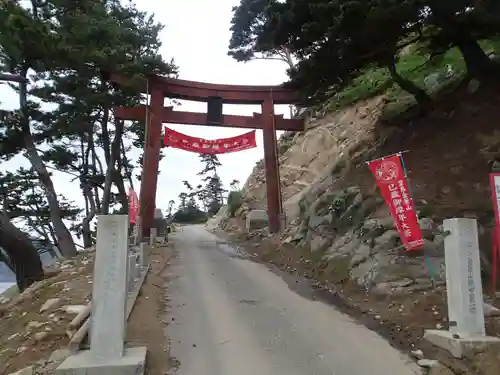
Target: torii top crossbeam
<point>200,91</point>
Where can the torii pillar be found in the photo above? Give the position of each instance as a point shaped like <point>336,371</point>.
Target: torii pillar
<point>151,160</point>
<point>271,165</point>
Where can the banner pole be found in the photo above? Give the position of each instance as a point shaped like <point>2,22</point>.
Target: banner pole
<point>430,268</point>
<point>388,156</point>
<point>494,260</point>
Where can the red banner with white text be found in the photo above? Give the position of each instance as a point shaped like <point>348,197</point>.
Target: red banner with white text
<point>206,146</point>
<point>133,206</point>
<point>390,175</point>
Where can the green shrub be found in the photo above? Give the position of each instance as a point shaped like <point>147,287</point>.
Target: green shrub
<point>192,216</point>
<point>234,201</point>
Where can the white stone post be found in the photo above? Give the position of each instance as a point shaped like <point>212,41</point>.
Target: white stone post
<point>107,354</point>
<point>464,291</point>
<point>109,294</point>
<point>144,254</point>
<point>463,278</point>
<point>131,272</point>
<point>137,230</point>
<point>152,236</point>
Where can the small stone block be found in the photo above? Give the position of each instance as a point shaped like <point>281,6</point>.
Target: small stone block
<point>152,236</point>
<point>256,219</point>
<point>130,272</point>
<point>458,347</point>
<point>83,363</point>
<point>144,254</point>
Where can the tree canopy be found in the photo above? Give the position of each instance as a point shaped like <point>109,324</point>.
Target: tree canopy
<point>335,41</point>
<point>57,54</point>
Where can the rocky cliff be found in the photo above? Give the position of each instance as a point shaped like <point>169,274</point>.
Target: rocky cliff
<point>334,211</point>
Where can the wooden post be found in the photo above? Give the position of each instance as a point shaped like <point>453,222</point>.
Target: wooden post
<point>151,160</point>
<point>271,166</point>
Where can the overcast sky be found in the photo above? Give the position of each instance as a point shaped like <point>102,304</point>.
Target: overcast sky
<point>196,35</point>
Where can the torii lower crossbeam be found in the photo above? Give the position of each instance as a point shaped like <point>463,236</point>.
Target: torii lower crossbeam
<point>194,118</point>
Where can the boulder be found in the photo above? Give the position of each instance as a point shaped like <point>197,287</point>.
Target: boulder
<point>256,219</point>
<point>50,304</point>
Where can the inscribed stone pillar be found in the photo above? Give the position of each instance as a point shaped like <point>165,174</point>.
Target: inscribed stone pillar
<point>109,294</point>
<point>463,278</point>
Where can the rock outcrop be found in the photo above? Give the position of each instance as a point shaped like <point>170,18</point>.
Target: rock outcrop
<point>332,205</point>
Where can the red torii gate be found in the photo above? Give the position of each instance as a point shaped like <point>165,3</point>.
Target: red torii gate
<point>160,87</point>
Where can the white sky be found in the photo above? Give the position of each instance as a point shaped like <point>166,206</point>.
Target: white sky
<point>196,35</point>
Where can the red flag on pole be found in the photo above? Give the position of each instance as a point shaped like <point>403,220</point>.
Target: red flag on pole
<point>133,206</point>
<point>391,179</point>
<point>495,246</point>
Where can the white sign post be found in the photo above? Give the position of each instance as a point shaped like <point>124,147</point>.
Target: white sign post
<point>109,297</point>
<point>463,278</point>
<point>464,290</point>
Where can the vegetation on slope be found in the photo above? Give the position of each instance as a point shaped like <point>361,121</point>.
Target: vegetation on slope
<point>351,49</point>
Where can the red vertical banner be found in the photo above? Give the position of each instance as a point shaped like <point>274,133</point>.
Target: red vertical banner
<point>390,175</point>
<point>133,205</point>
<point>495,245</point>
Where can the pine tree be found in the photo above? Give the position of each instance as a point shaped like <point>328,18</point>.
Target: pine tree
<point>212,192</point>
<point>66,48</point>
<point>335,41</point>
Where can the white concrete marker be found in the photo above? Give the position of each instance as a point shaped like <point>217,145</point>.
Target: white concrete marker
<point>109,294</point>
<point>109,298</point>
<point>464,290</point>
<point>144,254</point>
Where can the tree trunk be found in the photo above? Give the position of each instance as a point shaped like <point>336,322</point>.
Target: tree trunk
<point>122,192</point>
<point>23,255</point>
<point>6,260</point>
<point>478,64</point>
<point>128,172</point>
<point>419,94</point>
<point>96,168</point>
<point>86,190</point>
<point>118,176</point>
<point>115,146</point>
<point>289,59</point>
<point>64,239</point>
<point>476,61</point>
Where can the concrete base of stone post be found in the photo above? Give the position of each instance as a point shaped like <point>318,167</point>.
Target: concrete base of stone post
<point>132,362</point>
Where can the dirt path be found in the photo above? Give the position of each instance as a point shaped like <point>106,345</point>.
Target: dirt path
<point>231,315</point>
<point>146,325</point>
